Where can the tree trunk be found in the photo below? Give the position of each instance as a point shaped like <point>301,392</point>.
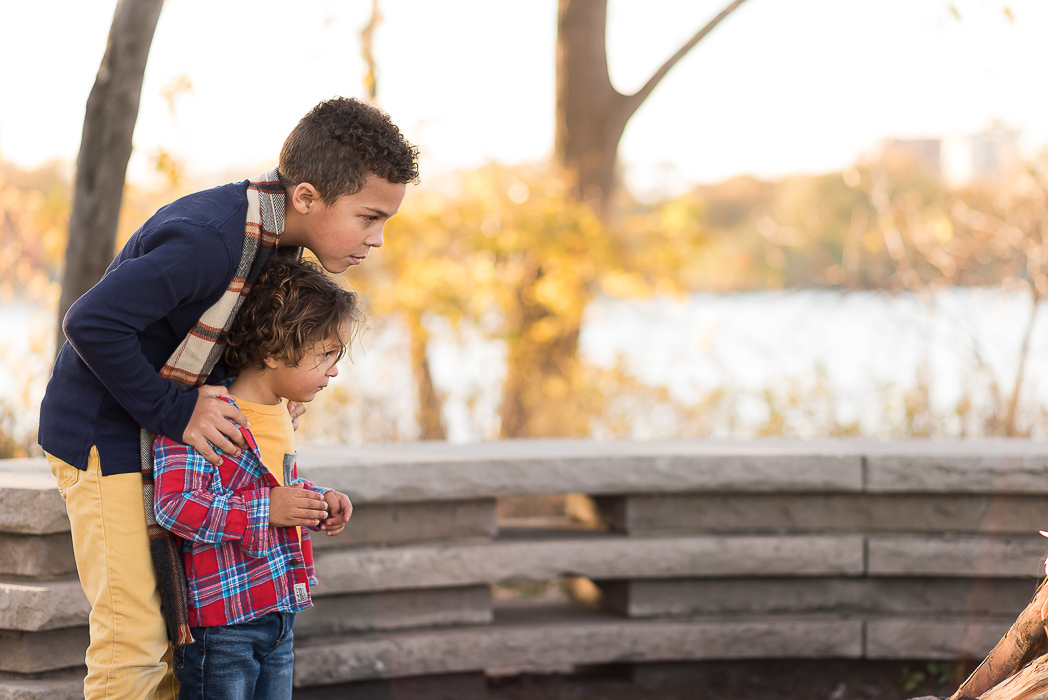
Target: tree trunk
<point>591,117</point>
<point>591,114</point>
<point>105,147</point>
<point>431,426</point>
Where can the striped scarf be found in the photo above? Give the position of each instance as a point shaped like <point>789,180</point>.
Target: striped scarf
<point>190,365</point>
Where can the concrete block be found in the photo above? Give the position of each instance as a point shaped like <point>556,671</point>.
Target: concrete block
<point>36,555</point>
<point>391,523</point>
<point>812,512</point>
<point>442,471</point>
<point>452,686</point>
<point>29,499</point>
<point>36,652</point>
<point>571,641</point>
<point>917,638</point>
<point>968,556</point>
<point>958,466</point>
<point>594,555</point>
<point>67,684</point>
<point>34,606</point>
<point>422,607</point>
<point>855,596</point>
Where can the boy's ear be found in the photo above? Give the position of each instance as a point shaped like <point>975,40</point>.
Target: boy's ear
<point>271,363</point>
<point>304,197</point>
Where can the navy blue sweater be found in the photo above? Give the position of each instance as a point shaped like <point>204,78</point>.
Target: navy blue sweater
<point>105,385</point>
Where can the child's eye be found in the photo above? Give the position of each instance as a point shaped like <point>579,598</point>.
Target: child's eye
<point>370,219</point>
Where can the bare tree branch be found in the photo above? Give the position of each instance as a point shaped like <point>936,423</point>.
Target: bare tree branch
<point>635,100</point>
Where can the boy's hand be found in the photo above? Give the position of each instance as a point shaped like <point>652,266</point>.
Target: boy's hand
<point>341,510</point>
<point>296,409</point>
<point>210,424</point>
<point>295,506</point>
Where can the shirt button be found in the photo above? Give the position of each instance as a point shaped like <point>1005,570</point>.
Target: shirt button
<point>292,561</point>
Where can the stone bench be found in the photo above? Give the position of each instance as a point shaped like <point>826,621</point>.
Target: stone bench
<point>682,550</point>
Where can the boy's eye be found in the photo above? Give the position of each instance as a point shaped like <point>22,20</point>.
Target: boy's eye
<point>370,219</point>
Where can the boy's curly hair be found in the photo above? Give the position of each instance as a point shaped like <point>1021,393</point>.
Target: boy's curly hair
<point>339,143</point>
<point>291,307</point>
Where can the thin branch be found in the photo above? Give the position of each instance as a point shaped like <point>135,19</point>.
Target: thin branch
<point>638,97</point>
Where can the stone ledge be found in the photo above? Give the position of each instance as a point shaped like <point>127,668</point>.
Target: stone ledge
<point>595,556</point>
<point>824,512</point>
<point>42,556</point>
<point>959,466</point>
<point>35,652</point>
<point>961,555</point>
<point>29,500</point>
<point>414,608</point>
<point>583,640</point>
<point>441,471</point>
<point>67,684</point>
<point>36,606</point>
<point>685,597</point>
<point>394,523</point>
<point>947,639</point>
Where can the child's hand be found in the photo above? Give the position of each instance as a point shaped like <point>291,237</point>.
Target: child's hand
<point>294,505</point>
<point>341,510</point>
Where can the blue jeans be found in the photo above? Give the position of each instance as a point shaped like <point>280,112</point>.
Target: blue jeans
<point>239,662</point>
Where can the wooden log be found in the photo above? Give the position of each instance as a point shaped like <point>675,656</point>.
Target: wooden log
<point>1030,683</point>
<point>1025,641</point>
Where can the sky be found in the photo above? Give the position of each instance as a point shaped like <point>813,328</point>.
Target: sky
<point>780,87</point>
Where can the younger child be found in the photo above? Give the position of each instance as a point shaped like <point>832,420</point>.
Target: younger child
<point>248,562</point>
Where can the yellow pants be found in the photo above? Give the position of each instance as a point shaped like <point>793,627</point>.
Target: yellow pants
<point>129,655</point>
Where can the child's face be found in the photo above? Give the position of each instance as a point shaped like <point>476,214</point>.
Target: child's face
<point>341,234</point>
<point>303,381</point>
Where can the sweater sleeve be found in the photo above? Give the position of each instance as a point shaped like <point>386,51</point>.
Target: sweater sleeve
<point>180,263</point>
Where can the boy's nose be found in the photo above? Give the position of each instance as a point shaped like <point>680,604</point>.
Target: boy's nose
<point>375,240</point>
<point>333,372</point>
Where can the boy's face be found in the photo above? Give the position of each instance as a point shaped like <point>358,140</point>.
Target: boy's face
<point>305,380</point>
<point>342,233</point>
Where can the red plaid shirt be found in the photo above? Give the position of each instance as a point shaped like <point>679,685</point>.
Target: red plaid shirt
<point>238,566</point>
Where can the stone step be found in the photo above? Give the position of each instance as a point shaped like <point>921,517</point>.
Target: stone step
<point>67,684</point>
<point>814,512</point>
<point>557,638</point>
<point>684,597</point>
<point>442,471</point>
<point>389,610</point>
<point>35,652</point>
<point>957,555</point>
<point>42,605</point>
<point>29,500</point>
<point>38,556</point>
<point>593,555</point>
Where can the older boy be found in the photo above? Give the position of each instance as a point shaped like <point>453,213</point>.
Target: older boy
<point>342,174</point>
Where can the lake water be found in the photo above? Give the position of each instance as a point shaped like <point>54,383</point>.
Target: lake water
<point>814,361</point>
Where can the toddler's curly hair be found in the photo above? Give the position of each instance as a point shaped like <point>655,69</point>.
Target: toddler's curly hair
<point>339,143</point>
<point>292,307</point>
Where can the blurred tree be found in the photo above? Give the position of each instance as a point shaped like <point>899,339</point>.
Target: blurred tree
<point>105,147</point>
<point>591,116</point>
<point>591,113</point>
<point>430,405</point>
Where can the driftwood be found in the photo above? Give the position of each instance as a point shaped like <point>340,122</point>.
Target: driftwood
<point>1017,667</point>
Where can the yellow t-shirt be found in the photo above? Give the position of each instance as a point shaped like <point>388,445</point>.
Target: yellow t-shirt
<point>275,435</point>
<point>271,426</point>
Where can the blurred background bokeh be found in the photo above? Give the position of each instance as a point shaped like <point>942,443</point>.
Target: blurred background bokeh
<point>825,219</point>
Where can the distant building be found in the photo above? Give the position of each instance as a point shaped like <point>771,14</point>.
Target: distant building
<point>928,152</point>
<point>986,155</point>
